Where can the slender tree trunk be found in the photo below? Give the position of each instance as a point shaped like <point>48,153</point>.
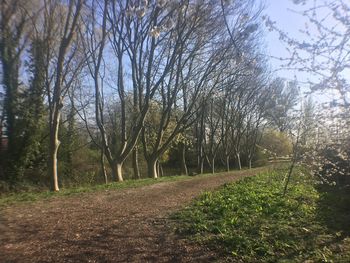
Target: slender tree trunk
<point>103,166</point>
<point>238,156</point>
<point>250,161</point>
<point>288,178</point>
<point>161,174</point>
<point>201,135</point>
<point>200,164</point>
<point>200,158</point>
<point>54,145</point>
<point>53,169</point>
<point>227,163</point>
<point>135,163</point>
<point>152,168</point>
<point>213,165</point>
<point>159,169</point>
<point>184,170</point>
<point>117,172</point>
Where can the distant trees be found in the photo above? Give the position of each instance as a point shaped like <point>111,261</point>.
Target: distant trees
<point>284,96</point>
<point>276,142</point>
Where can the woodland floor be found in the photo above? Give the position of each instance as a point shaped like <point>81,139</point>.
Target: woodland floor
<point>130,225</point>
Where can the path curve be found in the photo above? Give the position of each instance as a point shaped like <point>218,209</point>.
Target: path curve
<point>129,225</point>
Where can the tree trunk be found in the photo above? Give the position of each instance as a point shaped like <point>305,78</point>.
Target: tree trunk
<point>227,163</point>
<point>135,163</point>
<point>103,167</point>
<point>213,165</point>
<point>152,168</point>
<point>238,156</point>
<point>201,171</point>
<point>117,172</point>
<point>288,178</point>
<point>250,162</point>
<point>54,144</point>
<point>184,170</point>
<point>200,168</point>
<point>200,159</point>
<point>158,169</point>
<point>161,174</point>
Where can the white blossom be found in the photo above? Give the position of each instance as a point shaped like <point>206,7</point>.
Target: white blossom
<point>155,31</point>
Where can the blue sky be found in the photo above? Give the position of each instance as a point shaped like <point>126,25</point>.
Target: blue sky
<point>285,14</point>
<point>281,11</point>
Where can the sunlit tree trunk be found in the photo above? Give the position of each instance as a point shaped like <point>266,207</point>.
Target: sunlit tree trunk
<point>159,169</point>
<point>135,163</point>
<point>238,157</point>
<point>152,168</point>
<point>53,150</point>
<point>227,163</point>
<point>117,172</point>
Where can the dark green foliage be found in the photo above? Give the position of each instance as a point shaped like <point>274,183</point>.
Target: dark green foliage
<point>28,152</point>
<point>252,222</point>
<point>9,57</point>
<point>33,142</point>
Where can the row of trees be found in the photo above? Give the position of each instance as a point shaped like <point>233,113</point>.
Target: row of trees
<point>137,78</point>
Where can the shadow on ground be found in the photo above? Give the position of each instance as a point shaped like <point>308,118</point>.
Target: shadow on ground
<point>333,208</point>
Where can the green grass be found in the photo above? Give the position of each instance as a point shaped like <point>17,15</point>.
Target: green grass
<point>250,221</point>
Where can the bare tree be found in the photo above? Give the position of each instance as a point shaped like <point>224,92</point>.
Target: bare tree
<point>195,75</point>
<point>284,96</point>
<point>63,74</point>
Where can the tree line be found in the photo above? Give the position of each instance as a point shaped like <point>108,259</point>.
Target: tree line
<point>134,81</point>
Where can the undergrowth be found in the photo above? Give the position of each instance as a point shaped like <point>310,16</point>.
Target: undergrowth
<point>250,221</point>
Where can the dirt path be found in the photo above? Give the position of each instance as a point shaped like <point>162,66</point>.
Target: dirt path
<point>129,225</point>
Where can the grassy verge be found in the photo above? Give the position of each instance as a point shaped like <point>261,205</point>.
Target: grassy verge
<point>250,221</point>
<point>13,198</point>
